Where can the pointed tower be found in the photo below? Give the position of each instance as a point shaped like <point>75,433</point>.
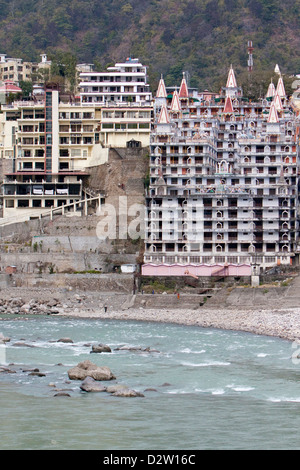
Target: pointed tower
<point>273,115</point>
<point>161,90</point>
<point>163,124</point>
<point>277,69</point>
<point>271,90</point>
<point>164,116</point>
<point>231,88</point>
<point>228,108</point>
<point>273,125</point>
<point>278,102</point>
<point>161,95</point>
<point>280,88</point>
<point>175,105</point>
<point>183,91</point>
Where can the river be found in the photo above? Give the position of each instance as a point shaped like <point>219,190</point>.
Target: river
<point>203,388</point>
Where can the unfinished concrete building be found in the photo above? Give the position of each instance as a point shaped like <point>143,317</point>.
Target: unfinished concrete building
<point>223,194</point>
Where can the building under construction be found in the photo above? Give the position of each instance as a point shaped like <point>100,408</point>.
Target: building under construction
<point>223,193</point>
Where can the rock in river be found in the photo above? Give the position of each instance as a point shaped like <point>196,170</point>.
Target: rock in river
<point>100,348</point>
<point>91,385</point>
<point>88,369</point>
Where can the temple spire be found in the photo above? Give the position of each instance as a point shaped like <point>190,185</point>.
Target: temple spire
<point>183,91</point>
<point>161,90</point>
<point>273,115</point>
<point>271,90</point>
<point>278,102</point>
<point>280,88</point>
<point>228,108</point>
<point>175,105</point>
<point>231,80</point>
<point>163,116</point>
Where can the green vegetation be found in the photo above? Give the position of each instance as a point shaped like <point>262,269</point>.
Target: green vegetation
<point>201,37</point>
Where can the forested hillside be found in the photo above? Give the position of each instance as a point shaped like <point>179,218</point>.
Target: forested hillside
<point>202,37</point>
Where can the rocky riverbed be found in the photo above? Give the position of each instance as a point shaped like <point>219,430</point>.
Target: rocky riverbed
<point>273,320</point>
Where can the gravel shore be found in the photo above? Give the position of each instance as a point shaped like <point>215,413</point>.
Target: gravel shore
<point>271,321</point>
<point>283,324</point>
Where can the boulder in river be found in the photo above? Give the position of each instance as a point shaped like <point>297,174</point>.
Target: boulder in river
<point>91,385</point>
<point>119,390</point>
<point>127,393</point>
<point>88,369</point>
<point>62,394</point>
<point>100,348</point>
<point>65,340</point>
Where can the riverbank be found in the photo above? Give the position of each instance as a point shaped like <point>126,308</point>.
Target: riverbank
<point>237,310</point>
<point>283,324</point>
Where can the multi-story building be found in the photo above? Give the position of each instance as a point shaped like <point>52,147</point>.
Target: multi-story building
<point>223,188</point>
<point>126,82</point>
<point>126,125</point>
<point>41,176</point>
<point>16,70</point>
<point>47,148</point>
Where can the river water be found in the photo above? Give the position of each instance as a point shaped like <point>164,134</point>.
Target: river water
<point>210,389</point>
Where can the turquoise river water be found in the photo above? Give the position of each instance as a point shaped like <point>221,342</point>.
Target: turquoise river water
<point>210,389</point>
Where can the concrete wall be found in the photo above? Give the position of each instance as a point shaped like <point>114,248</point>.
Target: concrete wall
<point>121,283</point>
<point>69,243</point>
<point>36,262</point>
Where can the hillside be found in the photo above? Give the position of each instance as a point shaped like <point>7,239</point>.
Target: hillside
<point>202,37</point>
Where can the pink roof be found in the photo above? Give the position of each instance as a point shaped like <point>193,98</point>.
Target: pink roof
<point>10,87</point>
<point>183,91</point>
<point>161,91</point>
<point>228,108</point>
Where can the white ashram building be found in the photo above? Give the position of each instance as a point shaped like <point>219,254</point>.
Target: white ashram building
<point>223,193</point>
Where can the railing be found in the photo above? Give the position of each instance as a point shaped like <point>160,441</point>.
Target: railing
<point>50,212</point>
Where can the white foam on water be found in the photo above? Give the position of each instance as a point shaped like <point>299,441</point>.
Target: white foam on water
<point>243,389</point>
<point>205,364</point>
<point>218,391</point>
<point>190,351</point>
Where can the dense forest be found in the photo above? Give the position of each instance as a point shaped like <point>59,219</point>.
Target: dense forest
<point>201,37</point>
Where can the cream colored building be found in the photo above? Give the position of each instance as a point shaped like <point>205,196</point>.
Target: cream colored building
<point>125,126</point>
<point>50,146</point>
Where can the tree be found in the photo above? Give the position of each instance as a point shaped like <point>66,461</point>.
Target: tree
<point>26,86</point>
<point>64,65</point>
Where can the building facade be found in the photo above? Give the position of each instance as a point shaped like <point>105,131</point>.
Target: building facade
<point>47,147</point>
<point>126,82</point>
<point>223,192</point>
